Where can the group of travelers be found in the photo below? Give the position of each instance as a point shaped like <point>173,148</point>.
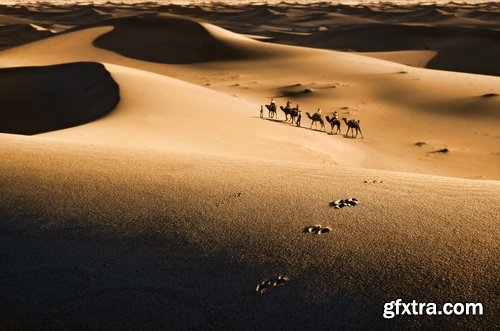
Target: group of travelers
<point>295,115</point>
<point>272,108</point>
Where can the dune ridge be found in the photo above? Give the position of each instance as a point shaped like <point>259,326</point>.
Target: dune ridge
<point>167,39</point>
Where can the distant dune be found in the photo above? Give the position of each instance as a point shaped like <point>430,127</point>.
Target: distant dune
<point>465,38</point>
<point>145,38</point>
<point>462,49</point>
<point>40,99</point>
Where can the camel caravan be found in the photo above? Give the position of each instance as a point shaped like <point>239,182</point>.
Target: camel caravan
<point>294,116</point>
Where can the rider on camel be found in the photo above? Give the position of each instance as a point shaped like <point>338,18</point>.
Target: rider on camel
<point>273,104</point>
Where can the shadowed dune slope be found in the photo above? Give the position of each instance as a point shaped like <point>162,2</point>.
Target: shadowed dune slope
<point>167,39</point>
<point>41,99</point>
<point>458,48</point>
<point>24,33</point>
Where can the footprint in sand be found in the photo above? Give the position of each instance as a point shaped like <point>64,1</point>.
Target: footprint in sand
<point>266,284</point>
<point>317,229</point>
<point>373,181</point>
<point>444,151</point>
<point>337,204</point>
<point>228,199</point>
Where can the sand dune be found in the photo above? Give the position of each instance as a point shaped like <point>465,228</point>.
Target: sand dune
<point>444,29</point>
<point>24,32</point>
<point>167,212</point>
<point>361,84</point>
<point>187,42</point>
<point>457,48</point>
<point>365,29</point>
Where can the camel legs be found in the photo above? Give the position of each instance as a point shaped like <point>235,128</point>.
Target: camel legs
<point>360,132</point>
<point>336,130</point>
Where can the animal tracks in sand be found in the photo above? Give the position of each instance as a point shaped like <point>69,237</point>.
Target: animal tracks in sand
<point>228,199</point>
<point>317,229</point>
<point>373,181</point>
<point>266,284</point>
<point>351,202</point>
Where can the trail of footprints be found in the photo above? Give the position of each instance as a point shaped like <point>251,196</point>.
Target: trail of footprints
<point>318,229</point>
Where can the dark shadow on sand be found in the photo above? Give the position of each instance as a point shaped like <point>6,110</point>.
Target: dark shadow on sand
<point>47,98</point>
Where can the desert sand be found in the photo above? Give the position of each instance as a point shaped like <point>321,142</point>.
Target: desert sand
<point>141,189</point>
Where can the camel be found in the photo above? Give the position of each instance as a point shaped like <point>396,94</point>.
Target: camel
<point>272,111</point>
<point>334,123</point>
<point>316,118</point>
<point>293,112</point>
<point>352,125</point>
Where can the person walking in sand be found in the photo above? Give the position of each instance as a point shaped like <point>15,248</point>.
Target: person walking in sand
<point>299,116</point>
<point>261,111</point>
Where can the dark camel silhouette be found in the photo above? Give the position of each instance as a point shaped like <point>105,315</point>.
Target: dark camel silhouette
<point>353,125</point>
<point>334,123</point>
<point>293,112</point>
<point>272,111</point>
<point>316,118</point>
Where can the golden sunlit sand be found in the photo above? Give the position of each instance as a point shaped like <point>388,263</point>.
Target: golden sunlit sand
<point>182,208</point>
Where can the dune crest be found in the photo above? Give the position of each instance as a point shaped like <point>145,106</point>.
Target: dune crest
<point>47,98</point>
<point>168,39</point>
